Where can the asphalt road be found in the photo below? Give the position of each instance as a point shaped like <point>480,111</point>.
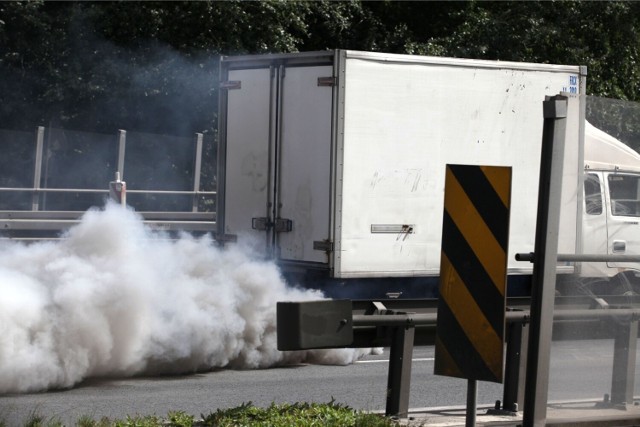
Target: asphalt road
<point>579,370</point>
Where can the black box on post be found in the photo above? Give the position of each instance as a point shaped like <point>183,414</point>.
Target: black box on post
<point>314,324</point>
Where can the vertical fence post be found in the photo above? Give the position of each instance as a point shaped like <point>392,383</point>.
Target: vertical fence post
<point>516,352</point>
<point>399,379</point>
<point>197,170</point>
<point>37,174</point>
<point>122,141</point>
<point>624,362</point>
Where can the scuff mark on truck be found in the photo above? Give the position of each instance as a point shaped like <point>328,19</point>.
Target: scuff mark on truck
<point>255,167</point>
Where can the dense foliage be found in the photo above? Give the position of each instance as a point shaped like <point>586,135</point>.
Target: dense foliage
<point>151,66</point>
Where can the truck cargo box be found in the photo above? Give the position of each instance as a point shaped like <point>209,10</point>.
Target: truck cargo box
<point>336,160</point>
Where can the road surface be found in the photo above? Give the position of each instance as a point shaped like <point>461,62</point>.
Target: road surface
<point>579,370</point>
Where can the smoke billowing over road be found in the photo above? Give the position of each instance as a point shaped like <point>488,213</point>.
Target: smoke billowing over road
<point>114,299</point>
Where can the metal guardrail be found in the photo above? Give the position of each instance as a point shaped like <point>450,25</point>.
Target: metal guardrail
<point>530,257</point>
<point>104,191</point>
<point>47,224</point>
<point>390,324</point>
<point>403,326</point>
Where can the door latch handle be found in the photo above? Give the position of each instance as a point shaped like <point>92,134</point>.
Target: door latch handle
<point>619,246</point>
<point>283,225</point>
<point>261,224</point>
<point>280,225</point>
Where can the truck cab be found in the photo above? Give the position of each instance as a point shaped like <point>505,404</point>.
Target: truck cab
<point>611,215</point>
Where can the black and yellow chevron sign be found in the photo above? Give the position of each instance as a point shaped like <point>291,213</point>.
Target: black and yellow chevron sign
<point>473,273</point>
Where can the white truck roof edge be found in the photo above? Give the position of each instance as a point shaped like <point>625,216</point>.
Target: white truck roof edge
<point>604,152</point>
<point>393,57</point>
<point>483,63</point>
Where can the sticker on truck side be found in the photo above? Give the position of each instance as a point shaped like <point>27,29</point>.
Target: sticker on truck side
<point>573,85</point>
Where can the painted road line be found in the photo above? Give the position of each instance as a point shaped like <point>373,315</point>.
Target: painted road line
<point>420,359</point>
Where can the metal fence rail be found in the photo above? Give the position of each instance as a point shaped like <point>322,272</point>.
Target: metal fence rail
<point>37,221</point>
<point>17,224</point>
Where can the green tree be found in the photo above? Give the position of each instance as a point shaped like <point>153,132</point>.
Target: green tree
<point>604,36</point>
<point>152,65</point>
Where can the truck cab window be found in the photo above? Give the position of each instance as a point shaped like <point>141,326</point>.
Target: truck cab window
<point>624,193</point>
<point>592,195</point>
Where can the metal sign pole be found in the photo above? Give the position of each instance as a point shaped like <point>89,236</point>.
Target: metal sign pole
<point>472,403</point>
<point>122,142</point>
<point>545,259</point>
<point>37,174</point>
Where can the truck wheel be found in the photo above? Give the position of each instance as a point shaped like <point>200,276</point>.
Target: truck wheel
<point>583,286</point>
<point>626,283</point>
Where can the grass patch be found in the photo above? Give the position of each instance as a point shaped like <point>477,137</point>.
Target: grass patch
<point>37,420</point>
<point>246,415</point>
<point>298,414</point>
<point>180,419</point>
<point>87,421</point>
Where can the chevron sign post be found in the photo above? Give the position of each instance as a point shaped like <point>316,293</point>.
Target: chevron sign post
<point>473,273</point>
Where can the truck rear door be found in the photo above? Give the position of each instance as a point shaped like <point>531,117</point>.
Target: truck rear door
<point>304,153</point>
<point>248,178</point>
<point>278,160</point>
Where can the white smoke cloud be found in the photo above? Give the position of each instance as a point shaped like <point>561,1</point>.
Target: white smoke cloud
<point>114,299</point>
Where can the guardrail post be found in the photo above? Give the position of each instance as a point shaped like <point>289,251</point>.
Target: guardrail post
<point>624,363</point>
<point>399,380</point>
<point>37,173</point>
<point>122,141</point>
<point>515,369</point>
<point>196,171</point>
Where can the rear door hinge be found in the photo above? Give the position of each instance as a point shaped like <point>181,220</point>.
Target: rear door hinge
<point>327,81</point>
<point>231,84</point>
<point>323,245</point>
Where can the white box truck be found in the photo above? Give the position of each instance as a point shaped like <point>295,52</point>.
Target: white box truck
<point>333,163</point>
<point>610,214</point>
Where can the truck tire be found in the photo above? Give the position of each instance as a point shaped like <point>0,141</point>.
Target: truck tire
<point>626,283</point>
